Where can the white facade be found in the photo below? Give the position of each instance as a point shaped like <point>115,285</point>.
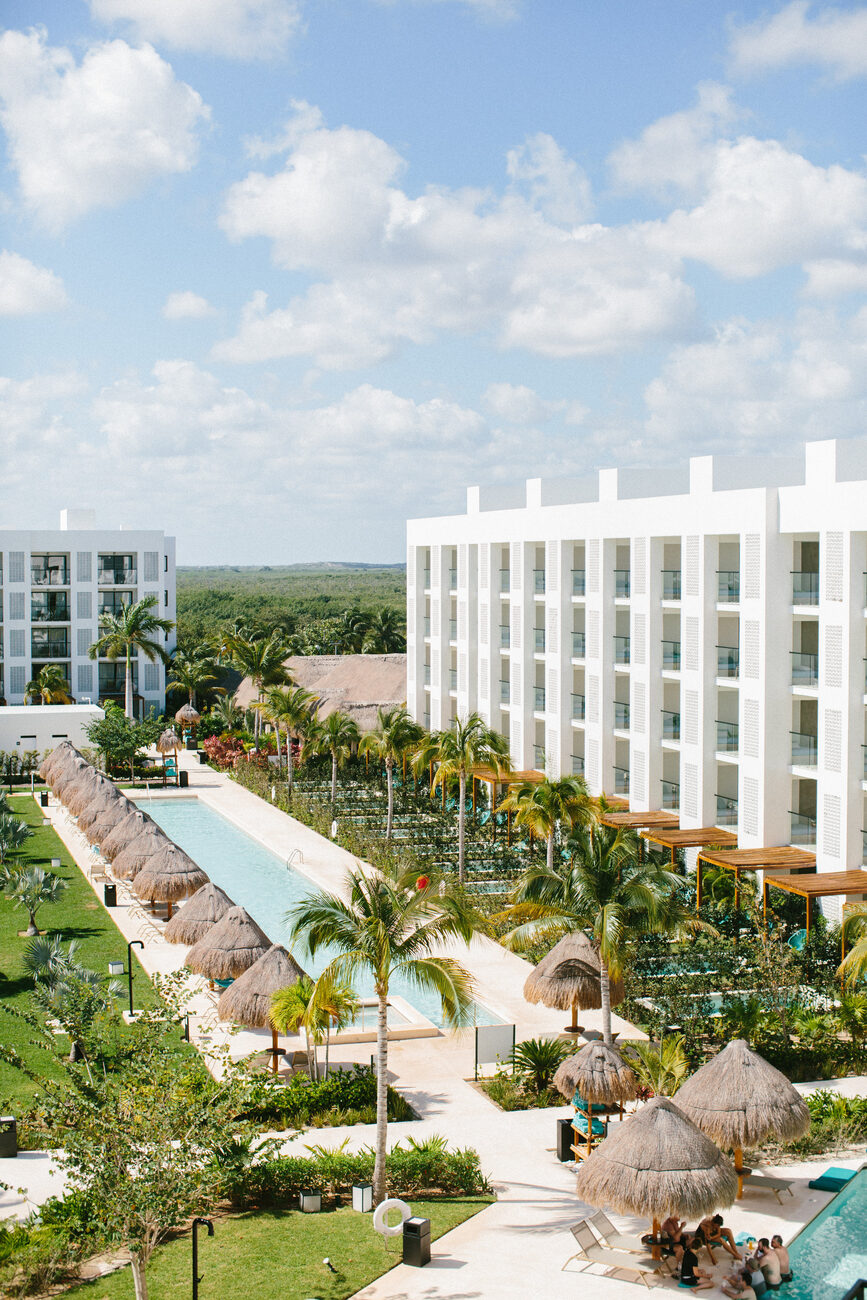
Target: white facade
<point>44,726</point>
<point>55,583</point>
<point>694,637</point>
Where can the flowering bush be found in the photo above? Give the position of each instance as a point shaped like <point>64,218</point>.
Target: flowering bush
<point>222,751</point>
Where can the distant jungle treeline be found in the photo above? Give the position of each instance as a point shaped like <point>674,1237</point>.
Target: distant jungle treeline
<point>305,602</point>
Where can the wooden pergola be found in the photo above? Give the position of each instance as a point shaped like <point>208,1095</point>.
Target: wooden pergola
<point>699,837</point>
<point>821,884</point>
<point>633,821</point>
<point>775,858</point>
<point>488,776</point>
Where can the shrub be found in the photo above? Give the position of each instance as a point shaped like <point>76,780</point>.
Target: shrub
<point>837,1122</point>
<point>345,1097</point>
<point>222,751</point>
<point>536,1061</point>
<point>33,1257</point>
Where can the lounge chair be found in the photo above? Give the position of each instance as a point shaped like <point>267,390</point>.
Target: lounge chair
<point>614,1240</point>
<point>761,1181</point>
<point>592,1250</point>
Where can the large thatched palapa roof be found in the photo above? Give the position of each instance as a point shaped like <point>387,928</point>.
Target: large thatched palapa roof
<point>198,915</point>
<point>657,1163</point>
<point>598,1073</point>
<point>102,821</point>
<point>229,948</point>
<point>568,977</point>
<point>133,824</point>
<point>69,774</point>
<point>738,1099</point>
<point>138,853</point>
<point>169,874</point>
<point>104,801</point>
<point>248,1000</point>
<point>53,764</point>
<point>168,741</point>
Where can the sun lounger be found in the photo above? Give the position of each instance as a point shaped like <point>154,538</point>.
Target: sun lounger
<point>592,1250</point>
<point>604,1228</point>
<point>761,1181</point>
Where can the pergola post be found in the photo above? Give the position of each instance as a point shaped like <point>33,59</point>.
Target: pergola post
<point>698,883</point>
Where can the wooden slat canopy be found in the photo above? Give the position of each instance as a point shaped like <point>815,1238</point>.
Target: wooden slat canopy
<point>778,856</point>
<point>818,884</point>
<point>635,820</point>
<point>490,777</point>
<point>691,839</point>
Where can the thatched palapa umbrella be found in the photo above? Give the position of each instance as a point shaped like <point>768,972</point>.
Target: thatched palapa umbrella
<point>91,786</point>
<point>103,820</point>
<point>169,743</point>
<point>229,948</point>
<point>569,978</point>
<point>198,915</point>
<point>133,824</point>
<point>69,774</point>
<point>738,1099</point>
<point>596,1075</point>
<point>248,1000</point>
<point>104,805</point>
<point>138,853</point>
<point>53,763</point>
<point>655,1164</point>
<point>168,875</point>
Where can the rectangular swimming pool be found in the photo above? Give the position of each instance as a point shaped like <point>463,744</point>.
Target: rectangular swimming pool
<point>830,1253</point>
<point>261,882</point>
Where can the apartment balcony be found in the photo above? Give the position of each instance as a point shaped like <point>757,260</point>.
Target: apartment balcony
<point>49,607</point>
<point>621,716</point>
<point>427,626</point>
<point>621,649</point>
<point>671,584</point>
<point>805,749</point>
<point>539,757</point>
<point>49,643</point>
<point>426,579</point>
<point>578,708</point>
<point>505,580</point>
<point>453,579</point>
<point>578,584</point>
<point>805,588</point>
<point>505,636</point>
<point>453,679</point>
<point>579,643</point>
<point>621,780</point>
<point>728,586</point>
<point>114,602</point>
<point>671,656</point>
<point>117,577</point>
<point>726,810</point>
<point>505,692</point>
<point>670,725</point>
<point>538,640</point>
<point>577,764</point>
<point>728,661</point>
<point>805,669</point>
<point>621,584</point>
<point>539,582</point>
<point>538,699</point>
<point>426,675</point>
<point>453,629</point>
<point>55,575</point>
<point>802,829</point>
<point>670,796</point>
<point>727,737</point>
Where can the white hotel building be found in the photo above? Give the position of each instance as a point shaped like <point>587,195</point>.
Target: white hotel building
<point>55,584</point>
<point>692,637</point>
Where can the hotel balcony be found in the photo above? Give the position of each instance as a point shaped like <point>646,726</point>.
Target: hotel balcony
<point>453,629</point>
<point>670,725</point>
<point>621,649</point>
<point>453,679</point>
<point>621,780</point>
<point>453,579</point>
<point>539,699</point>
<point>726,810</point>
<point>802,829</point>
<point>621,584</point>
<point>49,607</point>
<point>805,749</point>
<point>578,645</point>
<point>539,757</point>
<point>538,640</point>
<point>728,586</point>
<point>49,643</point>
<point>670,796</point>
<point>671,584</point>
<point>49,573</point>
<point>727,737</point>
<point>578,712</point>
<point>727,661</point>
<point>505,692</point>
<point>621,716</point>
<point>505,580</point>
<point>805,588</point>
<point>578,584</point>
<point>671,656</point>
<point>805,669</point>
<point>577,765</point>
<point>505,636</point>
<point>539,582</point>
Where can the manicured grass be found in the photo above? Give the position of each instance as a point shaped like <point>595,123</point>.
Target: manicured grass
<point>275,1256</point>
<point>79,915</point>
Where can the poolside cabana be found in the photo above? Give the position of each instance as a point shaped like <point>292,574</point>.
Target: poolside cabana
<point>169,743</point>
<point>70,773</point>
<point>818,884</point>
<point>229,948</point>
<point>169,874</point>
<point>133,824</point>
<point>248,1000</point>
<point>597,1076</point>
<point>779,857</point>
<point>568,978</point>
<point>136,855</point>
<point>198,915</point>
<point>699,838</point>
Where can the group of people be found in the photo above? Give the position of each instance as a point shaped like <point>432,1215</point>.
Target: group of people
<point>765,1270</point>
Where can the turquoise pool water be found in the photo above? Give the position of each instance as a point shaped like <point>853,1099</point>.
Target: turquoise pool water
<point>260,881</point>
<point>831,1252</point>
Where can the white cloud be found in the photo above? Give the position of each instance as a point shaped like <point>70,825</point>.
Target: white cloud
<point>93,134</point>
<point>556,185</point>
<point>237,29</point>
<point>832,277</point>
<point>185,305</point>
<point>518,404</point>
<point>672,155</point>
<point>834,39</point>
<point>27,289</point>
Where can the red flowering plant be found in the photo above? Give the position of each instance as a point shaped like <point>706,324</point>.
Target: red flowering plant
<point>222,751</point>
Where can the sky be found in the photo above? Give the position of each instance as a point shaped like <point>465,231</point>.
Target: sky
<point>277,275</point>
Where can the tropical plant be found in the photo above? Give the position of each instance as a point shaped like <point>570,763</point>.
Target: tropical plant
<point>291,1010</point>
<point>45,957</point>
<point>468,743</point>
<point>335,735</point>
<point>851,1015</point>
<point>31,887</point>
<point>132,631</point>
<point>49,686</point>
<point>227,714</point>
<point>536,1061</point>
<point>661,1067</point>
<point>291,708</point>
<point>395,736</point>
<point>743,1017</point>
<point>388,926</point>
<point>78,999</point>
<point>544,806</point>
<point>385,632</point>
<point>853,968</point>
<point>262,659</point>
<point>119,737</point>
<point>14,834</point>
<point>191,670</point>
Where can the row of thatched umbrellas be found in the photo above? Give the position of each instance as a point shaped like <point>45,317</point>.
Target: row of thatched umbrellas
<point>225,942</point>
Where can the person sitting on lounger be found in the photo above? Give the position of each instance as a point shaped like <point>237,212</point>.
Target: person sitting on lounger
<point>769,1263</point>
<point>690,1274</point>
<point>715,1233</point>
<point>739,1286</point>
<point>671,1232</point>
<point>783,1256</point>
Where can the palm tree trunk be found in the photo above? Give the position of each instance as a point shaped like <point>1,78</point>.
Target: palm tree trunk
<point>127,688</point>
<point>279,753</point>
<point>33,927</point>
<point>327,1044</point>
<point>389,776</point>
<point>605,991</point>
<point>381,1098</point>
<point>333,778</point>
<point>549,851</point>
<point>462,827</point>
<point>257,721</point>
<point>290,765</point>
<point>139,1277</point>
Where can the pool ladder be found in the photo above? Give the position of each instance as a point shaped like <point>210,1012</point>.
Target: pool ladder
<point>295,856</point>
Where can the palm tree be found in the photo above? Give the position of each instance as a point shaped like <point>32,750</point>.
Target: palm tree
<point>129,632</point>
<point>290,708</point>
<point>334,735</point>
<point>387,926</point>
<point>354,628</point>
<point>395,736</point>
<point>854,964</point>
<point>13,834</point>
<point>227,713</point>
<point>662,1067</point>
<point>262,659</point>
<point>468,743</point>
<point>385,633</point>
<point>49,686</point>
<point>191,670</point>
<point>334,1006</point>
<point>291,1009</point>
<point>31,886</point>
<point>542,806</point>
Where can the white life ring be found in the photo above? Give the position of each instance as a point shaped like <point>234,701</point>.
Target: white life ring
<point>380,1216</point>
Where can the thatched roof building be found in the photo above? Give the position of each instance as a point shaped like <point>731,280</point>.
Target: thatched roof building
<point>248,1000</point>
<point>138,853</point>
<point>359,685</point>
<point>133,824</point>
<point>568,977</point>
<point>598,1073</point>
<point>198,915</point>
<point>187,716</point>
<point>229,948</point>
<point>169,874</point>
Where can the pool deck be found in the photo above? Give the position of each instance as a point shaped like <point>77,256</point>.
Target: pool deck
<point>516,1247</point>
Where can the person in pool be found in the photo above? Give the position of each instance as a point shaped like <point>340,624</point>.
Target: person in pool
<point>690,1274</point>
<point>739,1286</point>
<point>715,1233</point>
<point>783,1256</point>
<point>769,1263</point>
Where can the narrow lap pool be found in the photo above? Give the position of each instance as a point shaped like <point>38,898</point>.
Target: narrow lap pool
<point>831,1251</point>
<point>260,881</point>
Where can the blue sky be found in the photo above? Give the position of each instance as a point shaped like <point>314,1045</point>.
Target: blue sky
<point>278,274</point>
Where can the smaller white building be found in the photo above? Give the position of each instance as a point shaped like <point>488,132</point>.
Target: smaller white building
<point>43,726</point>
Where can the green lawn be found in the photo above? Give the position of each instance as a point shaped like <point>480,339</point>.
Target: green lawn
<point>275,1256</point>
<point>78,915</point>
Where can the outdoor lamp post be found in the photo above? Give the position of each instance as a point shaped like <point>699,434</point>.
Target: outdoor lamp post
<point>129,947</point>
<point>206,1223</point>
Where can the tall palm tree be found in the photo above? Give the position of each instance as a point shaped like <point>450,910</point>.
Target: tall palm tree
<point>49,686</point>
<point>354,628</point>
<point>468,743</point>
<point>385,633</point>
<point>334,735</point>
<point>227,713</point>
<point>262,659</point>
<point>396,735</point>
<point>387,926</point>
<point>191,670</point>
<point>291,708</point>
<point>544,806</point>
<point>129,632</point>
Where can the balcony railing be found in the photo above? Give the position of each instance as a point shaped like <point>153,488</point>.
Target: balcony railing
<point>671,656</point>
<point>426,675</point>
<point>116,577</point>
<point>505,692</point>
<point>539,699</point>
<point>670,795</point>
<point>805,588</point>
<point>578,585</point>
<point>49,607</point>
<point>112,679</point>
<point>539,640</point>
<point>53,576</point>
<point>805,749</point>
<point>505,636</point>
<point>539,757</point>
<point>577,764</point>
<point>726,810</point>
<point>427,626</point>
<point>621,780</point>
<point>453,679</point>
<point>805,668</point>
<point>621,649</point>
<point>427,579</point>
<point>578,708</point>
<point>726,737</point>
<point>453,579</point>
<point>621,583</point>
<point>539,581</point>
<point>621,716</point>
<point>728,586</point>
<point>49,643</point>
<point>505,579</point>
<point>727,661</point>
<point>453,629</point>
<point>802,829</point>
<point>671,584</point>
<point>578,645</point>
<point>670,725</point>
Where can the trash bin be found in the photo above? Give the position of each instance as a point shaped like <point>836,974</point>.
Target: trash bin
<point>191,743</point>
<point>8,1137</point>
<point>416,1242</point>
<point>43,798</point>
<point>109,895</point>
<point>183,779</point>
<point>565,1139</point>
